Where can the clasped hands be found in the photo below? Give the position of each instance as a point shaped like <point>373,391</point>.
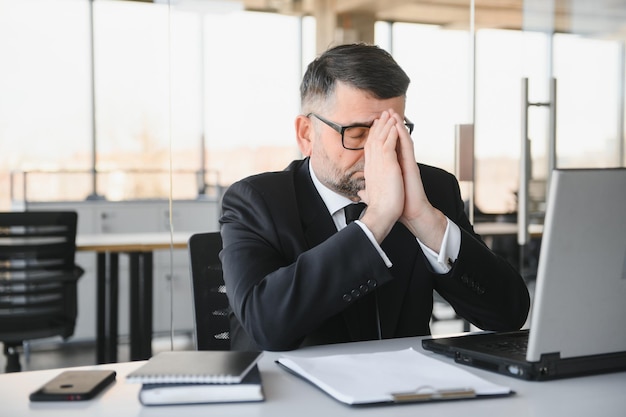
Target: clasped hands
<point>393,185</point>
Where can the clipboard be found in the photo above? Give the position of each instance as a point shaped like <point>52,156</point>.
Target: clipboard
<point>430,394</point>
<point>394,377</point>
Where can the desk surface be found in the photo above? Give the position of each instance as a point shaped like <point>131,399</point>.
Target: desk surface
<point>505,229</point>
<point>131,242</point>
<point>145,242</point>
<point>289,396</point>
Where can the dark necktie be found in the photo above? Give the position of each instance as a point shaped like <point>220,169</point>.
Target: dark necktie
<point>365,307</point>
<point>353,211</point>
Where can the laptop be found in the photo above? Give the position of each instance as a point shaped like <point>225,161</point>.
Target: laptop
<point>579,307</point>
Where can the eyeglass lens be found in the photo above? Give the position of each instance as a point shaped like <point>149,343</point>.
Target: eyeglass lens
<point>354,137</point>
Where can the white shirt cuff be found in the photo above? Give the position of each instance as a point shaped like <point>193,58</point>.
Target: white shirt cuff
<point>450,245</point>
<point>372,239</point>
<point>440,262</point>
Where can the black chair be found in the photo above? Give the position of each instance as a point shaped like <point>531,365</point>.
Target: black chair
<point>210,304</point>
<point>38,278</point>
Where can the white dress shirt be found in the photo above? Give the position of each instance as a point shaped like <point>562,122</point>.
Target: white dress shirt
<point>441,262</point>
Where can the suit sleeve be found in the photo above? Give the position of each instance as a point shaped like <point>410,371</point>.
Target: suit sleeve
<point>279,290</point>
<point>482,287</point>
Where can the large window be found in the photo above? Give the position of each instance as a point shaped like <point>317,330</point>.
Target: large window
<point>436,60</point>
<point>590,91</point>
<point>252,91</point>
<point>167,84</point>
<point>212,95</point>
<point>500,66</point>
<point>45,107</point>
<point>588,101</point>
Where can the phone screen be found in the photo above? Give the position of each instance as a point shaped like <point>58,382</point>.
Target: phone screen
<point>74,386</point>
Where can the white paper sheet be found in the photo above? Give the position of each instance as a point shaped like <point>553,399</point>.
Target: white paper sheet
<point>374,377</point>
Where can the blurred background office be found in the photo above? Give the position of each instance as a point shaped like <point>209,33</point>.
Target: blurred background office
<point>120,87</point>
<point>113,107</point>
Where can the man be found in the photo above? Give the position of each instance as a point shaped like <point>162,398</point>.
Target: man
<point>296,275</point>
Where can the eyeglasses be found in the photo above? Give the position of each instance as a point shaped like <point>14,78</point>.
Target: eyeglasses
<point>353,136</point>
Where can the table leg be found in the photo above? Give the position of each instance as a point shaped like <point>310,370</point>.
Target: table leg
<point>107,289</point>
<point>101,307</point>
<point>113,307</point>
<point>140,305</point>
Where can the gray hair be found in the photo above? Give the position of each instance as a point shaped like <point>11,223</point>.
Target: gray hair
<point>365,67</point>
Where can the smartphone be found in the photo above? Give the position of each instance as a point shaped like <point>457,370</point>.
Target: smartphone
<point>74,385</point>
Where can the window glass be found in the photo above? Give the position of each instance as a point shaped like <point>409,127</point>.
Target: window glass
<point>216,93</point>
<point>167,84</point>
<point>436,60</point>
<point>45,109</point>
<point>253,71</point>
<point>503,58</point>
<point>587,73</point>
<point>132,44</point>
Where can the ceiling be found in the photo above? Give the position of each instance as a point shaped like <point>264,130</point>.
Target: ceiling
<point>605,18</point>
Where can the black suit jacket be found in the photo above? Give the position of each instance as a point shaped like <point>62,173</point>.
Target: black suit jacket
<point>293,280</point>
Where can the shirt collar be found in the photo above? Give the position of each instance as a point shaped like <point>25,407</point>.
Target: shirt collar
<point>331,199</point>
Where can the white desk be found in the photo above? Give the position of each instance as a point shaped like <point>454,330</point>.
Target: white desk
<point>131,242</point>
<point>140,248</point>
<point>289,396</point>
<point>492,229</point>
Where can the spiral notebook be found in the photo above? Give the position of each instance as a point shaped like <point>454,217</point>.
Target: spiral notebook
<point>249,389</point>
<point>207,367</point>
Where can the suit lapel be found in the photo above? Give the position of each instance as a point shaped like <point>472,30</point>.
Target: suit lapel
<point>317,224</point>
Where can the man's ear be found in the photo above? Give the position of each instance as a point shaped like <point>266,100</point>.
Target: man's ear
<point>304,134</point>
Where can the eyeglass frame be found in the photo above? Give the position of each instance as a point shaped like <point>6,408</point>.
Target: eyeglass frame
<point>341,129</point>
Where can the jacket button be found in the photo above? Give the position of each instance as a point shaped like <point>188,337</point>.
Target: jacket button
<point>347,298</point>
<point>355,293</point>
<point>364,289</point>
<point>372,283</point>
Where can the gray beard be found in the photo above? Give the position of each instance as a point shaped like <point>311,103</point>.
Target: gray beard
<point>349,187</point>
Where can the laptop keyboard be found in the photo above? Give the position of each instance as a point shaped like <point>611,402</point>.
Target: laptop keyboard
<point>515,345</point>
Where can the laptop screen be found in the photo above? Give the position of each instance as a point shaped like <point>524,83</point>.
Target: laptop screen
<point>579,307</point>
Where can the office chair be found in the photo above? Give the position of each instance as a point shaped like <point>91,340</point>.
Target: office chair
<point>210,304</point>
<point>38,278</point>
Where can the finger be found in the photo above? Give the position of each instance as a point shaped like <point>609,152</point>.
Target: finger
<point>383,134</point>
<point>363,195</point>
<point>376,127</point>
<point>405,141</point>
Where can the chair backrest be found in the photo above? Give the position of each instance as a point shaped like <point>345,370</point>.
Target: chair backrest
<point>38,275</point>
<point>210,304</point>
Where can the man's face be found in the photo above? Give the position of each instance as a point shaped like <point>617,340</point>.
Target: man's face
<point>338,168</point>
